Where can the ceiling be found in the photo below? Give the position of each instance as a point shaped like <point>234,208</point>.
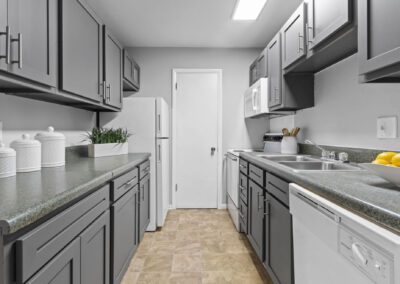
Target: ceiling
<point>190,23</point>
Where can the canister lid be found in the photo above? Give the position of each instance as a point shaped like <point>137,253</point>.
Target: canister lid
<point>50,135</point>
<point>25,142</point>
<point>6,152</point>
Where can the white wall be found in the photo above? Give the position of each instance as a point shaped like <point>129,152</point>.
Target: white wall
<point>346,111</point>
<point>21,115</point>
<point>156,80</point>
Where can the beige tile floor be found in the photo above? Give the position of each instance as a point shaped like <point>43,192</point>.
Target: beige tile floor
<point>195,246</point>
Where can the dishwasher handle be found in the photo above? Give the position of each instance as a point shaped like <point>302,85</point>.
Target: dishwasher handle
<point>319,207</point>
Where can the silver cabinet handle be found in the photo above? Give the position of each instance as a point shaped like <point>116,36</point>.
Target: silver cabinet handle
<point>267,209</point>
<point>109,92</point>
<point>6,56</point>
<point>19,40</point>
<point>104,85</point>
<point>300,39</point>
<point>309,28</point>
<point>258,201</point>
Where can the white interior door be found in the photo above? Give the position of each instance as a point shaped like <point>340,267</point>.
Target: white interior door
<point>196,123</point>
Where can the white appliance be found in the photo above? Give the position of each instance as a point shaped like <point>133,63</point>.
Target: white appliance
<point>147,119</point>
<point>256,99</point>
<point>332,245</point>
<point>232,183</point>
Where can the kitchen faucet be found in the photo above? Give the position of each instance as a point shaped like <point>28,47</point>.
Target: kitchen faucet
<point>324,153</point>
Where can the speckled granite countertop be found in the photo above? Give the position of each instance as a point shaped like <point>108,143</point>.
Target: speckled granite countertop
<point>360,192</point>
<point>28,197</point>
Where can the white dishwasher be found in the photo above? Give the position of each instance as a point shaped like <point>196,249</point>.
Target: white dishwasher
<point>332,245</point>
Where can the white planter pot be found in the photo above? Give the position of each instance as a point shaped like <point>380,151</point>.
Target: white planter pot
<point>289,145</point>
<point>103,150</point>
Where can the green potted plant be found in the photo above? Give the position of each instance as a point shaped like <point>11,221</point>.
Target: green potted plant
<point>107,142</point>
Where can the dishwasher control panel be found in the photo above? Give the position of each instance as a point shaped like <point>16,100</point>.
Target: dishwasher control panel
<point>367,257</point>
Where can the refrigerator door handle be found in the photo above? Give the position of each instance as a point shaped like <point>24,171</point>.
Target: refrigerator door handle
<point>159,124</point>
<point>159,152</point>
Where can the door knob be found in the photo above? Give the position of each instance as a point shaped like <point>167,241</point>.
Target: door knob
<point>213,150</point>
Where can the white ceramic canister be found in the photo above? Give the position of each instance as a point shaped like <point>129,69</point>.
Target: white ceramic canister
<point>289,145</point>
<point>53,148</point>
<point>7,161</point>
<point>28,154</point>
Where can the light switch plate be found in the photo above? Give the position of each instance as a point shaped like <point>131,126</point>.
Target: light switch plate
<point>387,127</point>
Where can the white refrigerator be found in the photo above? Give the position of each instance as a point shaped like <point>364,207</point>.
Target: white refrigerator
<point>147,119</point>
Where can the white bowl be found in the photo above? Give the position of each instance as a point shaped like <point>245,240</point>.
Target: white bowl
<point>391,174</point>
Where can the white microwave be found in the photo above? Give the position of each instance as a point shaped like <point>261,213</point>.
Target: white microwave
<point>256,99</point>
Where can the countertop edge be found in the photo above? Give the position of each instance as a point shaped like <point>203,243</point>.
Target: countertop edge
<point>43,209</point>
<point>358,206</point>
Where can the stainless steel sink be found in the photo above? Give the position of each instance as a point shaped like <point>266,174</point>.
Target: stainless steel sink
<point>320,166</point>
<point>289,158</point>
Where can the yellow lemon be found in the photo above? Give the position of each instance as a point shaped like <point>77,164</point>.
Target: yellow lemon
<point>386,156</point>
<point>396,160</point>
<point>381,162</point>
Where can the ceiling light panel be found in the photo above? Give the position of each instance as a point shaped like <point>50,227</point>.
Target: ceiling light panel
<point>247,10</point>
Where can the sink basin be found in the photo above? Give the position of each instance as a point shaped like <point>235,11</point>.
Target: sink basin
<point>289,158</point>
<point>319,166</point>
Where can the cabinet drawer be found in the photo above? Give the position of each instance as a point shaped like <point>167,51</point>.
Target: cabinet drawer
<point>256,174</point>
<point>144,169</point>
<point>244,166</point>
<point>278,188</point>
<point>123,183</point>
<point>243,212</point>
<point>36,248</point>
<point>243,187</point>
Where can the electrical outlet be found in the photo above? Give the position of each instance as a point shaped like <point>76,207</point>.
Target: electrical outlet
<point>387,127</point>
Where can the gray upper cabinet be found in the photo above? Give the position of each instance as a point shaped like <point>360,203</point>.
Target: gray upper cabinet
<point>274,71</point>
<point>95,251</point>
<point>324,18</point>
<point>293,37</point>
<point>32,40</point>
<point>131,74</point>
<point>81,51</point>
<point>256,218</point>
<point>259,68</point>
<point>4,35</point>
<point>379,40</point>
<point>64,268</point>
<point>112,70</point>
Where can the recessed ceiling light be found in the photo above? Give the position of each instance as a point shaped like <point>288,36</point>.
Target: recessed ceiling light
<point>246,10</point>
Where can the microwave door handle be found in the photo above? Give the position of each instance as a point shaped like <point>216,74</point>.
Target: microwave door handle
<point>253,97</point>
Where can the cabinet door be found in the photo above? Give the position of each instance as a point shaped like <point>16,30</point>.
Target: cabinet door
<point>275,71</point>
<point>144,202</point>
<point>324,18</point>
<point>81,50</point>
<point>378,37</point>
<point>124,234</point>
<point>3,34</point>
<point>64,268</point>
<point>33,28</point>
<point>112,70</point>
<point>95,251</point>
<point>253,73</point>
<point>278,257</point>
<point>136,75</point>
<point>262,68</point>
<point>256,218</point>
<point>293,37</point>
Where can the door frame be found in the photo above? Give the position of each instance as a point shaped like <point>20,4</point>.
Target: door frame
<point>219,153</point>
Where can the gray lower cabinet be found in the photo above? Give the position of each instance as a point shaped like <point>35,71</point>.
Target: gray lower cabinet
<point>131,74</point>
<point>144,205</point>
<point>112,70</point>
<point>81,44</point>
<point>30,44</point>
<point>278,245</point>
<point>124,233</point>
<point>95,251</point>
<point>256,218</point>
<point>293,37</point>
<point>64,268</point>
<point>324,18</point>
<point>378,40</point>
